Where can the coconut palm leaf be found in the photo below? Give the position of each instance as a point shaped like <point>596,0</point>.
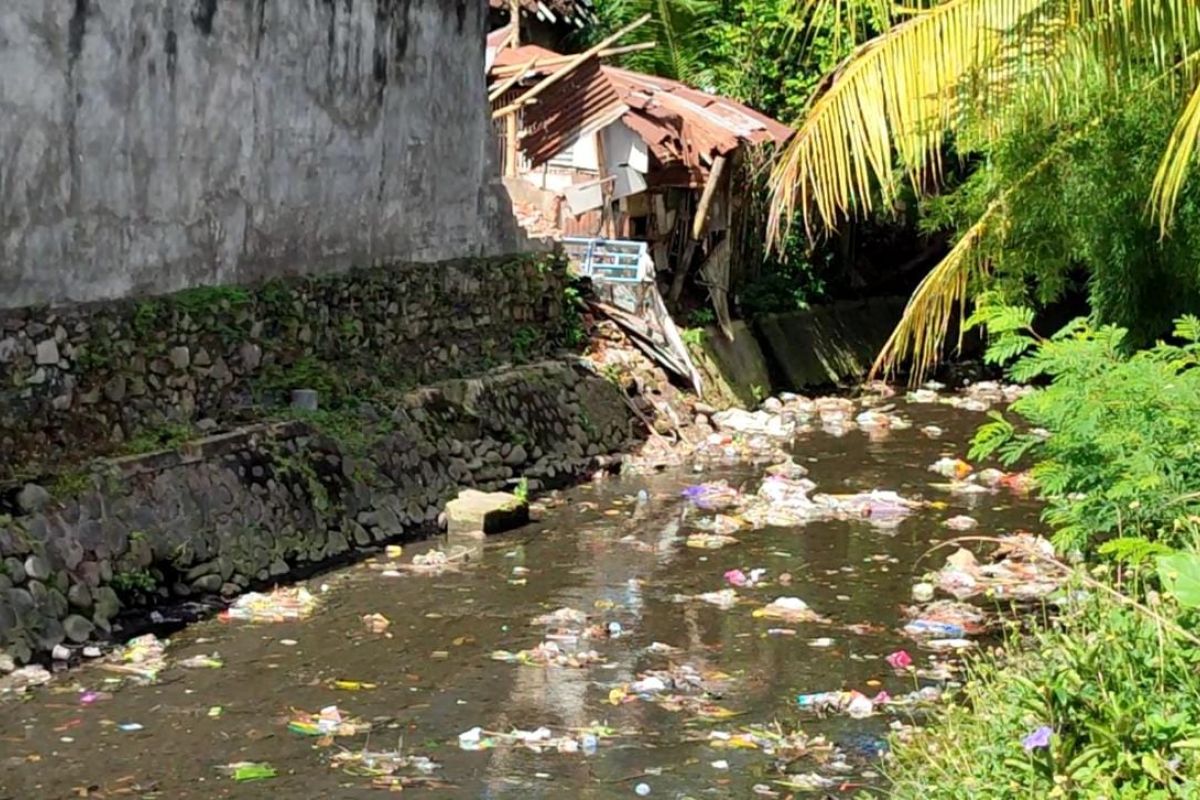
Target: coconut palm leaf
<point>1176,163</point>
<point>883,115</point>
<point>919,337</point>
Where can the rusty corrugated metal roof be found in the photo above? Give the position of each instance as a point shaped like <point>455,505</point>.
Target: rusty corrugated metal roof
<point>580,103</point>
<point>684,128</point>
<point>512,56</point>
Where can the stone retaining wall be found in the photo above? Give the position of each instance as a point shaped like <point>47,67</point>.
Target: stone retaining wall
<point>88,379</point>
<point>252,505</point>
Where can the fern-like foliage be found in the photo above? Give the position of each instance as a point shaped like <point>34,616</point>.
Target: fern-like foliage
<point>1123,457</point>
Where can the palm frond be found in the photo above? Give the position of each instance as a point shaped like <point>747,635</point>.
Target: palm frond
<point>1176,163</point>
<point>919,336</point>
<point>893,99</point>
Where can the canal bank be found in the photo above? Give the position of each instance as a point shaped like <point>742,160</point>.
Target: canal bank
<point>218,514</point>
<point>463,645</point>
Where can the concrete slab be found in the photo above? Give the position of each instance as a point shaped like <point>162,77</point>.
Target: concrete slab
<point>490,512</point>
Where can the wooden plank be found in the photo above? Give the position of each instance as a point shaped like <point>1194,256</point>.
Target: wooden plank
<point>505,69</point>
<point>710,190</point>
<point>571,66</point>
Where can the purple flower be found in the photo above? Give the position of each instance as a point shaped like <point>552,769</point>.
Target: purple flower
<point>1040,738</point>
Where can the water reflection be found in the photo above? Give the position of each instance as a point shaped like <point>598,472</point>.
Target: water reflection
<point>603,552</point>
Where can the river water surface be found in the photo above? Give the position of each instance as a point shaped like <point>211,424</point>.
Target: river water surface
<point>435,679</point>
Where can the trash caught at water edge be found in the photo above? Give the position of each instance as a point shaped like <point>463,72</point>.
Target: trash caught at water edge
<point>754,630</point>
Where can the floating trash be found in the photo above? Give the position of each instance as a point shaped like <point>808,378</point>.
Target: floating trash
<point>738,578</point>
<point>539,740</point>
<point>22,680</point>
<point>721,524</point>
<point>376,623</point>
<point>435,562</point>
<point>1022,569</point>
<point>853,704</point>
<point>548,654</point>
<point>946,618</point>
<point>789,609</point>
<point>710,541</point>
<point>713,496</point>
<point>282,605</point>
<point>243,771</point>
<point>329,721</point>
<point>385,768</point>
<point>561,617</point>
<point>725,598</point>
<point>951,468</point>
<point>773,741</point>
<point>212,661</point>
<point>142,658</point>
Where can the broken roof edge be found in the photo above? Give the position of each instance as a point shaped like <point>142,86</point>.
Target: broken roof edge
<point>631,81</point>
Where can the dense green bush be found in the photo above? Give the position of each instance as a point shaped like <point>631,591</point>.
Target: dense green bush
<point>1103,701</point>
<point>1122,458</point>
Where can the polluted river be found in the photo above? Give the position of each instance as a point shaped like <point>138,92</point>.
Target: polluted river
<point>666,634</point>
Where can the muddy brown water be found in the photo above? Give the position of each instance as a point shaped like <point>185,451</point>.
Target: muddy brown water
<point>435,679</point>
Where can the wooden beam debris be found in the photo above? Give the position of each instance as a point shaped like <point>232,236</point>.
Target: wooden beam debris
<point>522,71</point>
<point>508,69</point>
<point>571,66</point>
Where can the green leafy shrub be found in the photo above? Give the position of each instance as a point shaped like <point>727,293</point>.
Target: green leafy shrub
<point>1122,454</point>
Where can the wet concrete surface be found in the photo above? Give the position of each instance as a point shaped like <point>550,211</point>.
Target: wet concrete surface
<point>435,679</point>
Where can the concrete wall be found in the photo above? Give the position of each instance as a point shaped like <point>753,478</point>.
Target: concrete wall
<point>798,351</point>
<point>148,146</point>
<point>735,372</point>
<point>827,345</point>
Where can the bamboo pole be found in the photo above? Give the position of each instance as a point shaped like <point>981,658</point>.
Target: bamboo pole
<point>522,70</point>
<point>550,80</point>
<point>514,12</point>
<point>554,62</point>
<point>700,222</point>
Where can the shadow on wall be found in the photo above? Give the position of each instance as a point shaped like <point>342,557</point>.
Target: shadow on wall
<point>798,351</point>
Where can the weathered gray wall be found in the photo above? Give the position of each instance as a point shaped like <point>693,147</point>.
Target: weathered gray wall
<point>148,146</point>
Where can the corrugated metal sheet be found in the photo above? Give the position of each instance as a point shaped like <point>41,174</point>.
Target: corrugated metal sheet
<point>523,55</point>
<point>582,102</point>
<point>684,128</point>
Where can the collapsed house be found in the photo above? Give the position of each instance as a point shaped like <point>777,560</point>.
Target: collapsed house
<point>594,154</point>
<point>607,152</point>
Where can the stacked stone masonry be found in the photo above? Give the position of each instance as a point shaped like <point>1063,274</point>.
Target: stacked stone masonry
<point>252,505</point>
<point>86,379</point>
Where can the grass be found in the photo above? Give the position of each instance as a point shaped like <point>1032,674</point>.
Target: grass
<point>1117,686</point>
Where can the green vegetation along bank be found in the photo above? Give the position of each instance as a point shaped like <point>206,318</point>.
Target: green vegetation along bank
<point>1102,699</point>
